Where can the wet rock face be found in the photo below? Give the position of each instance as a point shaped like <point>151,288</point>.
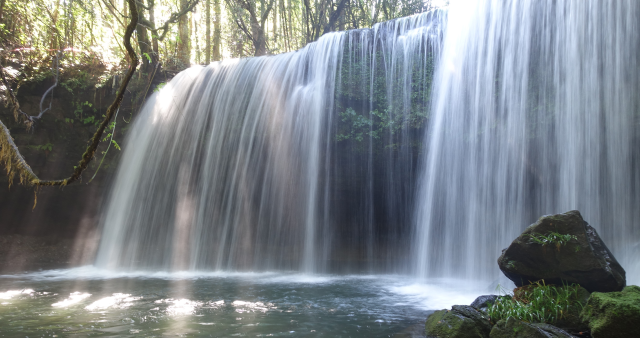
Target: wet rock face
<point>513,328</point>
<point>560,249</point>
<point>484,301</point>
<point>460,322</point>
<point>614,314</point>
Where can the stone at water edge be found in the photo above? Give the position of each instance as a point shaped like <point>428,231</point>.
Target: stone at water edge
<point>514,328</point>
<point>484,301</point>
<point>460,322</point>
<point>614,314</point>
<point>585,260</point>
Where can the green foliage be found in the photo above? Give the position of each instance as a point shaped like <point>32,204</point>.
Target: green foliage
<point>79,107</point>
<point>552,238</point>
<point>42,147</point>
<point>539,303</point>
<point>159,87</point>
<point>109,136</point>
<point>90,120</point>
<point>381,113</point>
<point>359,126</point>
<point>79,81</point>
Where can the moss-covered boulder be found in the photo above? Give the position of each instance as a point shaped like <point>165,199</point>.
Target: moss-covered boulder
<point>513,328</point>
<point>614,314</point>
<point>562,249</point>
<point>460,322</point>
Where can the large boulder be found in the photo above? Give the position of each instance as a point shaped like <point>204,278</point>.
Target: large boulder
<point>460,322</point>
<point>614,314</point>
<point>514,328</point>
<point>561,249</point>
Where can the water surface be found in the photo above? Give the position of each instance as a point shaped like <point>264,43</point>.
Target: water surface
<point>90,302</point>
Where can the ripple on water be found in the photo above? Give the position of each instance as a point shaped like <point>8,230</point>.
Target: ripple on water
<point>89,301</point>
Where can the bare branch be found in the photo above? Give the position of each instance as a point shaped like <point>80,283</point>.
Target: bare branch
<point>265,15</point>
<point>334,17</point>
<point>141,4</point>
<point>13,160</point>
<point>172,19</point>
<point>239,21</point>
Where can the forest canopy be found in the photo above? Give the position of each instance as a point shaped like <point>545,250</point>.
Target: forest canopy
<point>183,32</point>
<point>105,40</point>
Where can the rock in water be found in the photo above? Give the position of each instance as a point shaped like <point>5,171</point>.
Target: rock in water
<point>614,314</point>
<point>484,301</point>
<point>560,249</point>
<point>513,328</point>
<point>460,322</point>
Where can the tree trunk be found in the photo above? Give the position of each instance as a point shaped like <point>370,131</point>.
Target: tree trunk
<point>154,37</point>
<point>275,28</point>
<point>257,35</point>
<point>144,44</point>
<point>217,55</point>
<point>2,10</point>
<point>54,36</point>
<point>194,33</point>
<point>184,52</point>
<point>207,54</point>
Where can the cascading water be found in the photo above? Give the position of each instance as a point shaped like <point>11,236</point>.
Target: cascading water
<point>302,161</point>
<point>535,112</point>
<point>308,161</point>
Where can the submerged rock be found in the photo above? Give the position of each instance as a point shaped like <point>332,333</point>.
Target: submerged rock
<point>561,249</point>
<point>614,314</point>
<point>460,322</point>
<point>514,328</point>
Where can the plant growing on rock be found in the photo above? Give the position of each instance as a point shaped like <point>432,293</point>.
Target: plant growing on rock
<point>552,238</point>
<point>542,303</point>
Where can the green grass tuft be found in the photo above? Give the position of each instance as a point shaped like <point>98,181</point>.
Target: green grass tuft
<point>552,238</point>
<point>538,303</point>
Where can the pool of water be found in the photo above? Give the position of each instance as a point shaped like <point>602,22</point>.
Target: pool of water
<point>86,301</point>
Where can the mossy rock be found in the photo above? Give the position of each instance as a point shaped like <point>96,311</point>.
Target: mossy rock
<point>460,322</point>
<point>582,258</point>
<point>614,314</point>
<point>514,328</point>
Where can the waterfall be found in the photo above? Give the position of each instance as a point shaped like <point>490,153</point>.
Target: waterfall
<point>301,161</point>
<point>535,112</point>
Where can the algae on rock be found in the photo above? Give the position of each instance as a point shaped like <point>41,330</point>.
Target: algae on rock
<point>614,314</point>
<point>460,322</point>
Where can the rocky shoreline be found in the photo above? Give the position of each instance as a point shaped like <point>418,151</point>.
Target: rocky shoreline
<point>568,285</point>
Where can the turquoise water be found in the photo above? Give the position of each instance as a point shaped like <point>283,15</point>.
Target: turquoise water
<point>89,302</point>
